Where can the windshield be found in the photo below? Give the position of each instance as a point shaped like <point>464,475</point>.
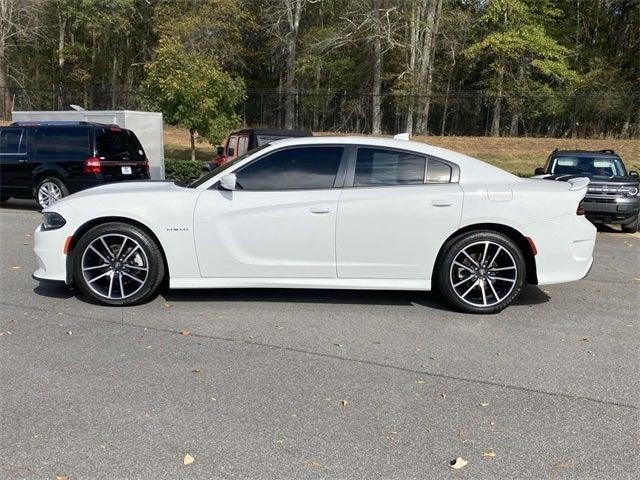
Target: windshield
<point>266,139</point>
<point>588,165</point>
<point>209,175</point>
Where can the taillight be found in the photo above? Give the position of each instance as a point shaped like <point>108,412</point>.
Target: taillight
<point>92,165</point>
<point>580,209</point>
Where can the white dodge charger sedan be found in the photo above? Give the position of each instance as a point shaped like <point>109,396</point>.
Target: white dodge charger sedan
<point>324,212</point>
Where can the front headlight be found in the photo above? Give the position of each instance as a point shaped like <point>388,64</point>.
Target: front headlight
<point>631,191</point>
<point>52,221</point>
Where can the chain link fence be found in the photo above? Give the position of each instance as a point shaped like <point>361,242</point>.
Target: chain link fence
<point>580,114</point>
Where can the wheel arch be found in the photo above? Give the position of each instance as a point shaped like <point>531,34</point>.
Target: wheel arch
<point>47,170</point>
<point>512,233</point>
<point>85,227</point>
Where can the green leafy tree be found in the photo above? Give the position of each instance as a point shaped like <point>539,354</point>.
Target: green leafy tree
<point>518,55</point>
<point>191,90</point>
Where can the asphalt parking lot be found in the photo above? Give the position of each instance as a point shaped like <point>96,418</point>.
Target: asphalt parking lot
<point>318,384</point>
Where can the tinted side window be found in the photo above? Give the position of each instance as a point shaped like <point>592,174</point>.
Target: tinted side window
<point>375,166</point>
<point>293,169</point>
<point>118,144</point>
<point>438,172</point>
<point>69,142</point>
<point>12,141</point>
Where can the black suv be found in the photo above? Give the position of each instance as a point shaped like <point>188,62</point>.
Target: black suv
<point>50,160</point>
<point>612,194</point>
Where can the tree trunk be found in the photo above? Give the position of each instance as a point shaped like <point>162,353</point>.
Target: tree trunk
<point>446,103</point>
<point>114,82</point>
<point>92,96</point>
<point>414,22</point>
<point>193,144</point>
<point>376,117</point>
<point>426,61</point>
<point>62,27</point>
<point>497,106</point>
<point>294,12</point>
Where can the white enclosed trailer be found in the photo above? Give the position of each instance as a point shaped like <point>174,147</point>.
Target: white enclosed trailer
<point>146,125</point>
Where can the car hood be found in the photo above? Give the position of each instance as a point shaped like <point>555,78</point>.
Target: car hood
<point>596,180</point>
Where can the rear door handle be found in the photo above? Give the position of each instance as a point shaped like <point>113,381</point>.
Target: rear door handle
<point>441,202</point>
<point>320,209</point>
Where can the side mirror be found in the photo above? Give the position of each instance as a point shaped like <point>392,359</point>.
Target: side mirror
<point>220,151</point>
<point>633,173</point>
<point>228,182</point>
<point>539,171</point>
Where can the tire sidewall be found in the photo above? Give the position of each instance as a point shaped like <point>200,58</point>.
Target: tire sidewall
<point>61,185</point>
<point>151,250</point>
<point>454,247</point>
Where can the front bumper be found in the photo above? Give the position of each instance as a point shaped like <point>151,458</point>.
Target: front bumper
<point>603,209</point>
<point>49,250</point>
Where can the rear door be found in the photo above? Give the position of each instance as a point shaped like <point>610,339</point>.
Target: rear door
<point>121,154</point>
<point>395,211</point>
<point>15,171</point>
<point>59,149</point>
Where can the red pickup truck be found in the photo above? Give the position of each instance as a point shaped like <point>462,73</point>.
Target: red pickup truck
<point>240,142</point>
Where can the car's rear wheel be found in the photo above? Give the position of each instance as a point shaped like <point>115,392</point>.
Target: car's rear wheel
<point>49,191</point>
<point>633,226</point>
<point>4,198</point>
<point>118,264</point>
<point>481,272</point>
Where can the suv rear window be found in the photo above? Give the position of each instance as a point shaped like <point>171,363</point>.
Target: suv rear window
<point>68,142</point>
<point>119,145</point>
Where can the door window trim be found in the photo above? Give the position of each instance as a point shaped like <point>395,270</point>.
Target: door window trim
<point>340,175</point>
<point>351,168</point>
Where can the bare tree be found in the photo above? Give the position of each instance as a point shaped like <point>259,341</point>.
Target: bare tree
<point>285,16</point>
<point>19,21</point>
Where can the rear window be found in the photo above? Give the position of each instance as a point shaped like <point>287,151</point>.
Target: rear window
<point>12,142</point>
<point>67,142</point>
<point>118,144</point>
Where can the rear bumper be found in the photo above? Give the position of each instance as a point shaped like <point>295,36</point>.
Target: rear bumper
<point>77,184</point>
<point>565,248</point>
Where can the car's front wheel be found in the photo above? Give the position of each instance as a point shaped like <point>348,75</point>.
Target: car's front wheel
<point>118,264</point>
<point>633,226</point>
<point>481,272</point>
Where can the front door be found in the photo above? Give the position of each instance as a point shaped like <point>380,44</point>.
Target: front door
<point>279,222</point>
<point>394,214</point>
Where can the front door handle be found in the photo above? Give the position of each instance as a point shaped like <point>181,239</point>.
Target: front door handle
<point>441,202</point>
<point>320,209</point>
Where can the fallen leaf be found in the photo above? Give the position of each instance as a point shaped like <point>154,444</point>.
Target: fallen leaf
<point>484,404</point>
<point>562,465</point>
<point>458,463</point>
<point>583,339</point>
<point>196,370</point>
<point>316,464</point>
<point>278,327</point>
<point>168,305</point>
<point>61,477</point>
<point>420,382</point>
<point>489,454</point>
<point>443,395</point>
<point>188,459</point>
<point>69,332</point>
<point>344,403</point>
<point>16,268</point>
<point>338,344</point>
<point>185,332</point>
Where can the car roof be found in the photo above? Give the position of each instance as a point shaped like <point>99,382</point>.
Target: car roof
<point>63,123</point>
<point>600,153</point>
<point>274,131</point>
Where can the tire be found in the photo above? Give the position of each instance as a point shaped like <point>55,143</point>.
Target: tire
<point>4,198</point>
<point>49,190</point>
<point>632,227</point>
<point>471,286</point>
<point>132,266</point>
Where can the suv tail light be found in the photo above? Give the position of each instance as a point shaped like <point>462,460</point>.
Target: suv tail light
<point>92,165</point>
<point>580,209</point>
